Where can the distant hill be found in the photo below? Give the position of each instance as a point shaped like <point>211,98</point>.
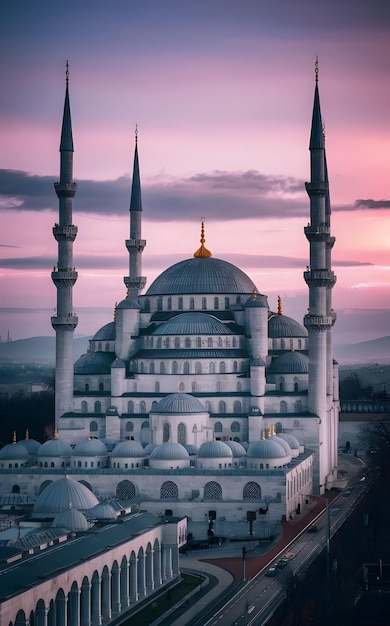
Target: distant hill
<point>38,350</point>
<point>373,351</point>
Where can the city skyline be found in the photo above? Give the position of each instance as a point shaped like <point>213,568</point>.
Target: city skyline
<point>222,95</point>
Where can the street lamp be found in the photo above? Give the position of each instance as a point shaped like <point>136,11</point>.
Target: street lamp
<point>327,531</point>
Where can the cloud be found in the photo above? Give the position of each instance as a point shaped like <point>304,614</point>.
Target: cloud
<point>361,204</point>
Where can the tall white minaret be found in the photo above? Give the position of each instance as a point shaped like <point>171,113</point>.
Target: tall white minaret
<point>64,275</point>
<point>135,245</point>
<point>320,279</point>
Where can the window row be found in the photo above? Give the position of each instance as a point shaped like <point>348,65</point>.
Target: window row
<point>165,367</point>
<point>197,342</point>
<point>212,491</point>
<point>296,408</point>
<point>214,303</point>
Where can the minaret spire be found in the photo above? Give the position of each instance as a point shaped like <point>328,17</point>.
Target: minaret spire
<point>64,275</point>
<point>320,279</point>
<point>135,245</point>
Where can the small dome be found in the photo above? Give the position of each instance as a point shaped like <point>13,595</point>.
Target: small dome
<point>193,324</point>
<point>106,333</point>
<point>266,449</point>
<point>31,444</point>
<point>291,440</point>
<point>237,449</point>
<point>14,451</point>
<point>290,363</point>
<point>214,450</point>
<point>71,519</point>
<point>128,449</point>
<point>169,451</point>
<point>281,326</point>
<point>282,442</point>
<point>62,494</point>
<point>257,300</point>
<point>128,303</point>
<point>118,363</point>
<point>102,511</point>
<point>90,447</point>
<point>94,363</point>
<point>179,403</point>
<point>54,448</point>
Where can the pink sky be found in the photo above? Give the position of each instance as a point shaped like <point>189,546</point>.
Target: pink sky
<point>222,93</point>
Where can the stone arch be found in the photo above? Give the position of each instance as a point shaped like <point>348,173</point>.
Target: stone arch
<point>129,427</point>
<point>283,406</point>
<point>43,486</point>
<point>222,367</point>
<point>218,427</point>
<point>130,406</point>
<point>166,431</point>
<point>175,367</point>
<point>126,490</point>
<point>237,407</point>
<point>298,406</point>
<point>97,407</point>
<point>251,491</point>
<point>181,433</point>
<point>212,491</point>
<point>221,406</point>
<point>93,427</point>
<point>84,406</point>
<point>235,427</point>
<point>212,368</point>
<point>198,368</point>
<point>15,489</point>
<point>169,491</point>
<point>186,368</point>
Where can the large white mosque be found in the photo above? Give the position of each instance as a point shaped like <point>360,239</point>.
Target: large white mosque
<point>197,400</point>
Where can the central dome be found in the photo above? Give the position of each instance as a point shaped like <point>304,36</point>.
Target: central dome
<point>201,275</point>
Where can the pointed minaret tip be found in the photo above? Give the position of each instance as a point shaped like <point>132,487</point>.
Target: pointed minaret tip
<point>202,252</point>
<point>136,198</point>
<point>66,144</point>
<point>317,128</point>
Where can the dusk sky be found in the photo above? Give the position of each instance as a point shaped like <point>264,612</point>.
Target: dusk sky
<point>222,93</point>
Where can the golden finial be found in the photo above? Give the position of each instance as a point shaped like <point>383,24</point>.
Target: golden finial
<point>254,294</point>
<point>27,435</point>
<point>14,437</point>
<point>202,252</point>
<point>316,69</point>
<point>136,134</point>
<point>67,73</point>
<point>272,430</point>
<point>263,435</point>
<point>280,311</point>
<point>55,433</point>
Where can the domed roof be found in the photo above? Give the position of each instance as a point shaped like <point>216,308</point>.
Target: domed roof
<point>290,363</point>
<point>94,363</point>
<point>72,519</point>
<point>214,450</point>
<point>128,303</point>
<point>201,275</point>
<point>266,449</point>
<point>54,448</point>
<point>256,300</point>
<point>14,451</point>
<point>102,511</point>
<point>291,440</point>
<point>282,326</point>
<point>128,448</point>
<point>106,333</point>
<point>192,324</point>
<point>61,494</point>
<point>117,363</point>
<point>31,444</point>
<point>282,442</point>
<point>179,403</point>
<point>237,449</point>
<point>169,451</point>
<point>89,447</point>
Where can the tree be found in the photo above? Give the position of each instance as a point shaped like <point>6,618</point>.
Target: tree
<point>374,437</point>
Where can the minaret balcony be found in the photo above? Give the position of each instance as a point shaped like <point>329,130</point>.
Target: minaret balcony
<point>317,188</point>
<point>317,233</point>
<point>136,245</point>
<point>65,233</point>
<point>64,322</point>
<point>65,190</point>
<point>319,278</point>
<point>64,278</point>
<point>318,322</point>
<point>330,242</point>
<point>135,282</point>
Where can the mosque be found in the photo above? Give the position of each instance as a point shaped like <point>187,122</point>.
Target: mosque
<point>198,399</point>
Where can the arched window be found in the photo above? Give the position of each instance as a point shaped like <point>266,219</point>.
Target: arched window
<point>151,368</point>
<point>198,368</point>
<point>227,303</point>
<point>93,427</point>
<point>86,387</point>
<point>219,342</point>
<point>282,344</point>
<point>296,384</point>
<point>235,427</point>
<point>125,490</point>
<point>281,383</point>
<point>154,404</point>
<point>278,428</point>
<point>157,386</point>
<point>221,406</point>
<point>204,303</point>
<point>177,342</point>
<point>251,491</point>
<point>235,366</point>
<point>298,406</point>
<point>192,304</point>
<point>169,303</point>
<point>187,342</point>
<point>209,342</point>
<point>186,368</point>
<point>16,489</point>
<point>162,367</point>
<point>193,386</point>
<point>159,343</point>
<point>180,304</point>
<point>84,407</point>
<point>212,491</point>
<point>234,342</point>
<point>237,407</point>
<point>166,432</point>
<point>167,343</point>
<point>145,425</point>
<point>299,344</point>
<point>212,368</point>
<point>181,433</point>
<point>141,367</point>
<point>107,347</point>
<point>238,386</point>
<point>159,304</point>
<point>216,303</point>
<point>198,342</point>
<point>130,406</point>
<point>99,346</point>
<point>169,491</point>
<point>222,367</point>
<point>217,427</point>
<point>129,427</point>
<point>181,387</point>
<point>142,407</point>
<point>283,407</point>
<point>98,407</point>
<point>208,406</point>
<point>175,367</point>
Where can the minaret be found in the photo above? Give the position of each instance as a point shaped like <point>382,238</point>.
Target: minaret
<point>135,245</point>
<point>320,280</point>
<point>64,275</point>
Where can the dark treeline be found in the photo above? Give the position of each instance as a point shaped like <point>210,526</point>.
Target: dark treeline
<point>33,412</point>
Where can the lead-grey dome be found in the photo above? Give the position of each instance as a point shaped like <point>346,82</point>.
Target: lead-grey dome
<point>128,303</point>
<point>290,363</point>
<point>192,324</point>
<point>266,449</point>
<point>128,449</point>
<point>282,326</point>
<point>90,447</point>
<point>214,450</point>
<point>54,448</point>
<point>179,403</point>
<point>94,363</point>
<point>169,451</point>
<point>106,333</point>
<point>237,449</point>
<point>14,451</point>
<point>72,519</point>
<point>201,275</point>
<point>62,494</point>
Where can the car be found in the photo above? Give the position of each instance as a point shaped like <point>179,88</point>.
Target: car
<point>271,572</point>
<point>312,529</point>
<point>250,608</point>
<point>282,563</point>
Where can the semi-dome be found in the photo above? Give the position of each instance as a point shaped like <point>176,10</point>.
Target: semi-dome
<point>128,303</point>
<point>266,449</point>
<point>90,447</point>
<point>94,363</point>
<point>169,451</point>
<point>128,449</point>
<point>193,324</point>
<point>102,511</point>
<point>54,448</point>
<point>291,440</point>
<point>290,363</point>
<point>61,494</point>
<point>201,275</point>
<point>179,403</point>
<point>31,444</point>
<point>72,519</point>
<point>282,442</point>
<point>237,449</point>
<point>282,326</point>
<point>106,333</point>
<point>214,450</point>
<point>14,451</point>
